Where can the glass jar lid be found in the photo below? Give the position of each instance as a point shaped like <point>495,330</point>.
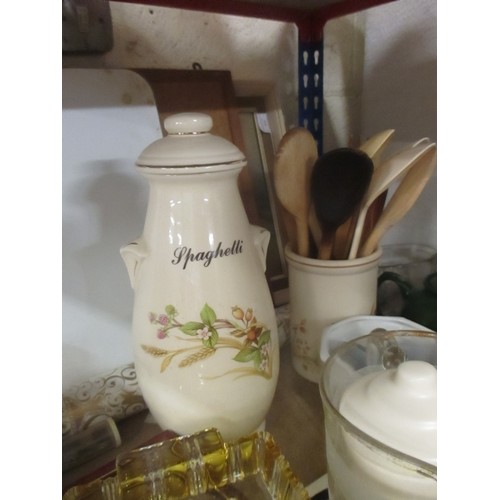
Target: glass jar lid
<point>397,407</point>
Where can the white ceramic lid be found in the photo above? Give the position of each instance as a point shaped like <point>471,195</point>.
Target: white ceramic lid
<point>189,143</point>
<point>397,407</point>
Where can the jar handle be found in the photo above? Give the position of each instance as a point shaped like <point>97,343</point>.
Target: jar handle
<point>404,287</point>
<point>133,254</point>
<point>261,239</point>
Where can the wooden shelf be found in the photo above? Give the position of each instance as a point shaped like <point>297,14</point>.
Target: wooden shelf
<point>295,420</point>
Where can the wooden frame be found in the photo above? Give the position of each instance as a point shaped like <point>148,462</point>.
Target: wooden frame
<point>263,127</point>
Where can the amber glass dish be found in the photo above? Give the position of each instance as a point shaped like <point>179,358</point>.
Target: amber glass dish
<point>199,466</point>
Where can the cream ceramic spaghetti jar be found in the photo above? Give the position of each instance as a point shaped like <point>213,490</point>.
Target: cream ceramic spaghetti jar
<point>204,327</point>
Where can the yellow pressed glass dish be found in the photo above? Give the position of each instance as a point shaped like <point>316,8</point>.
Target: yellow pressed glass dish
<point>199,466</point>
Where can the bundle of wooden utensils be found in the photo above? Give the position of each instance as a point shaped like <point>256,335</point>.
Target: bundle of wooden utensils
<point>335,206</point>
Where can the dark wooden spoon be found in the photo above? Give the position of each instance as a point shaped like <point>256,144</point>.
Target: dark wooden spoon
<point>339,181</point>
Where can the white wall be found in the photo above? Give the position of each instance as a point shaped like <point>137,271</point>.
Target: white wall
<point>109,117</point>
<point>400,92</point>
<point>103,207</point>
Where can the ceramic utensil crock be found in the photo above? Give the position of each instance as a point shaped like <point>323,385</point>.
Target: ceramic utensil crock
<point>323,292</point>
<point>204,326</point>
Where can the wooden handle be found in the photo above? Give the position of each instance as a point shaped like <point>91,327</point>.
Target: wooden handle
<point>343,238</point>
<point>290,228</point>
<point>358,231</point>
<point>302,237</point>
<point>326,246</point>
<point>372,216</point>
<point>314,226</point>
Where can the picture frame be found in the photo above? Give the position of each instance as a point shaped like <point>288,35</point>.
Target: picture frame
<point>263,127</point>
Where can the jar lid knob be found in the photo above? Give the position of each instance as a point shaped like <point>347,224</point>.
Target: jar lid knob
<point>189,143</point>
<point>188,123</point>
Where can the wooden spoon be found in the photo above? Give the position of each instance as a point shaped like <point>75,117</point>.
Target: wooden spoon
<point>339,181</point>
<point>424,140</point>
<point>375,145</point>
<point>383,176</point>
<point>374,148</point>
<point>403,199</point>
<point>294,160</point>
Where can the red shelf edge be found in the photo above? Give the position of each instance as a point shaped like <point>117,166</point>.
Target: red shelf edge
<point>310,22</point>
